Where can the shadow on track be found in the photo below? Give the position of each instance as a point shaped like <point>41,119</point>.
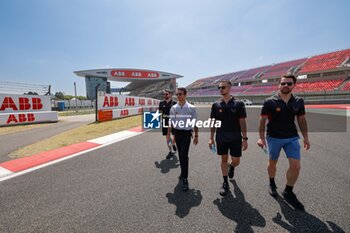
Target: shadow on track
<point>184,201</point>
<point>167,164</point>
<point>297,221</point>
<point>240,211</point>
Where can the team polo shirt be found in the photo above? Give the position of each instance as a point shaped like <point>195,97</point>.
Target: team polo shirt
<point>180,114</point>
<point>164,107</point>
<point>229,114</point>
<point>281,116</point>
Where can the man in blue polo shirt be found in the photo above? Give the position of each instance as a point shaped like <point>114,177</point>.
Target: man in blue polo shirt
<point>231,137</point>
<point>281,110</point>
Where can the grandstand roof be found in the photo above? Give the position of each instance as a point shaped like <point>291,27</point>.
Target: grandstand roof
<point>128,75</point>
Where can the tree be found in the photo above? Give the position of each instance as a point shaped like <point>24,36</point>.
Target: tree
<point>81,97</point>
<point>68,97</point>
<point>59,95</point>
<point>30,93</point>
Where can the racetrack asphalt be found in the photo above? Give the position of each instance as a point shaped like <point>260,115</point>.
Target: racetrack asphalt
<point>129,186</point>
<point>13,141</point>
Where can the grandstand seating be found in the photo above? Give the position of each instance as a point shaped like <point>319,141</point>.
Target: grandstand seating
<point>315,86</point>
<point>327,85</point>
<point>151,90</point>
<point>282,68</point>
<point>239,89</point>
<point>346,87</point>
<point>249,74</point>
<point>326,61</point>
<point>236,75</point>
<point>235,90</point>
<point>266,89</point>
<point>324,73</point>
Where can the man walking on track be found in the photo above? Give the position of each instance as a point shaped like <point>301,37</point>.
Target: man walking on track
<point>231,137</point>
<point>281,110</point>
<point>164,108</point>
<point>180,115</point>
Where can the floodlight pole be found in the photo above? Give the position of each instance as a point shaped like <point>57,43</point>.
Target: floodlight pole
<point>96,101</point>
<point>76,100</point>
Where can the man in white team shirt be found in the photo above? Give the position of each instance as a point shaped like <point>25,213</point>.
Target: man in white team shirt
<point>180,114</point>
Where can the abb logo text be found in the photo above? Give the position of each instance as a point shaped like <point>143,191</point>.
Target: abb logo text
<point>112,101</point>
<point>124,113</point>
<point>129,102</point>
<point>23,104</point>
<point>134,74</point>
<point>142,102</point>
<point>29,117</point>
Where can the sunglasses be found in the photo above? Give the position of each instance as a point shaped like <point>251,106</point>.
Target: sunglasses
<point>166,94</point>
<point>179,94</point>
<point>289,84</point>
<point>221,87</point>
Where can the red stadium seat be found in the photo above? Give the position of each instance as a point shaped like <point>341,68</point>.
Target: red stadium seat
<point>346,87</point>
<point>318,86</point>
<point>325,61</point>
<point>282,68</point>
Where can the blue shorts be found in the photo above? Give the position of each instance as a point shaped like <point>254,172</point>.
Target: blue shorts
<point>290,146</point>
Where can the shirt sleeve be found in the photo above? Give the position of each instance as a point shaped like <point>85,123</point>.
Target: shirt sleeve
<point>213,112</point>
<point>172,115</point>
<point>301,110</point>
<point>265,111</point>
<point>194,113</point>
<point>242,113</point>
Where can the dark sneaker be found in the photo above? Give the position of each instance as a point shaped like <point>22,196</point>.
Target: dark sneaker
<point>231,171</point>
<point>292,199</point>
<point>224,189</point>
<point>184,184</point>
<point>169,155</point>
<point>273,190</point>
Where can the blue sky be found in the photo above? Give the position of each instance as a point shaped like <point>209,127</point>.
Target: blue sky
<point>44,41</point>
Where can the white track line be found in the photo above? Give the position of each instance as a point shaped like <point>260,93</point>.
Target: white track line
<point>6,174</point>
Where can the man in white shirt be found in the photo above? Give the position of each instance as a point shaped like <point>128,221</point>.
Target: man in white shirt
<point>181,114</point>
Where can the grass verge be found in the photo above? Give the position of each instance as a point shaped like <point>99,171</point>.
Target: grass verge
<point>81,134</point>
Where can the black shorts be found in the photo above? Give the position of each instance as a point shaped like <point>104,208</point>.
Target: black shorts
<point>165,131</point>
<point>235,148</point>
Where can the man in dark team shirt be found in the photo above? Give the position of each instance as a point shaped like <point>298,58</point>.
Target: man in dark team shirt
<point>164,108</point>
<point>232,135</point>
<point>281,110</point>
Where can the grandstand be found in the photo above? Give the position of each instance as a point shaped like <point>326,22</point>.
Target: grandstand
<point>145,83</point>
<point>321,78</point>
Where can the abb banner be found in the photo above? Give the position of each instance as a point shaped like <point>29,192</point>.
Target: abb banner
<point>108,115</point>
<point>134,74</point>
<point>24,103</point>
<point>117,106</point>
<point>24,109</point>
<point>108,101</point>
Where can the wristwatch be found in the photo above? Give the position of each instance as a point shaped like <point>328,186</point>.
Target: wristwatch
<point>245,138</point>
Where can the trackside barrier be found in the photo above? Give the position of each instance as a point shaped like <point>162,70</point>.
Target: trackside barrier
<point>118,106</point>
<point>25,109</point>
<point>108,115</point>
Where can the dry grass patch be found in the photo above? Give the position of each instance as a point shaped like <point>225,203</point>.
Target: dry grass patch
<point>81,134</point>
